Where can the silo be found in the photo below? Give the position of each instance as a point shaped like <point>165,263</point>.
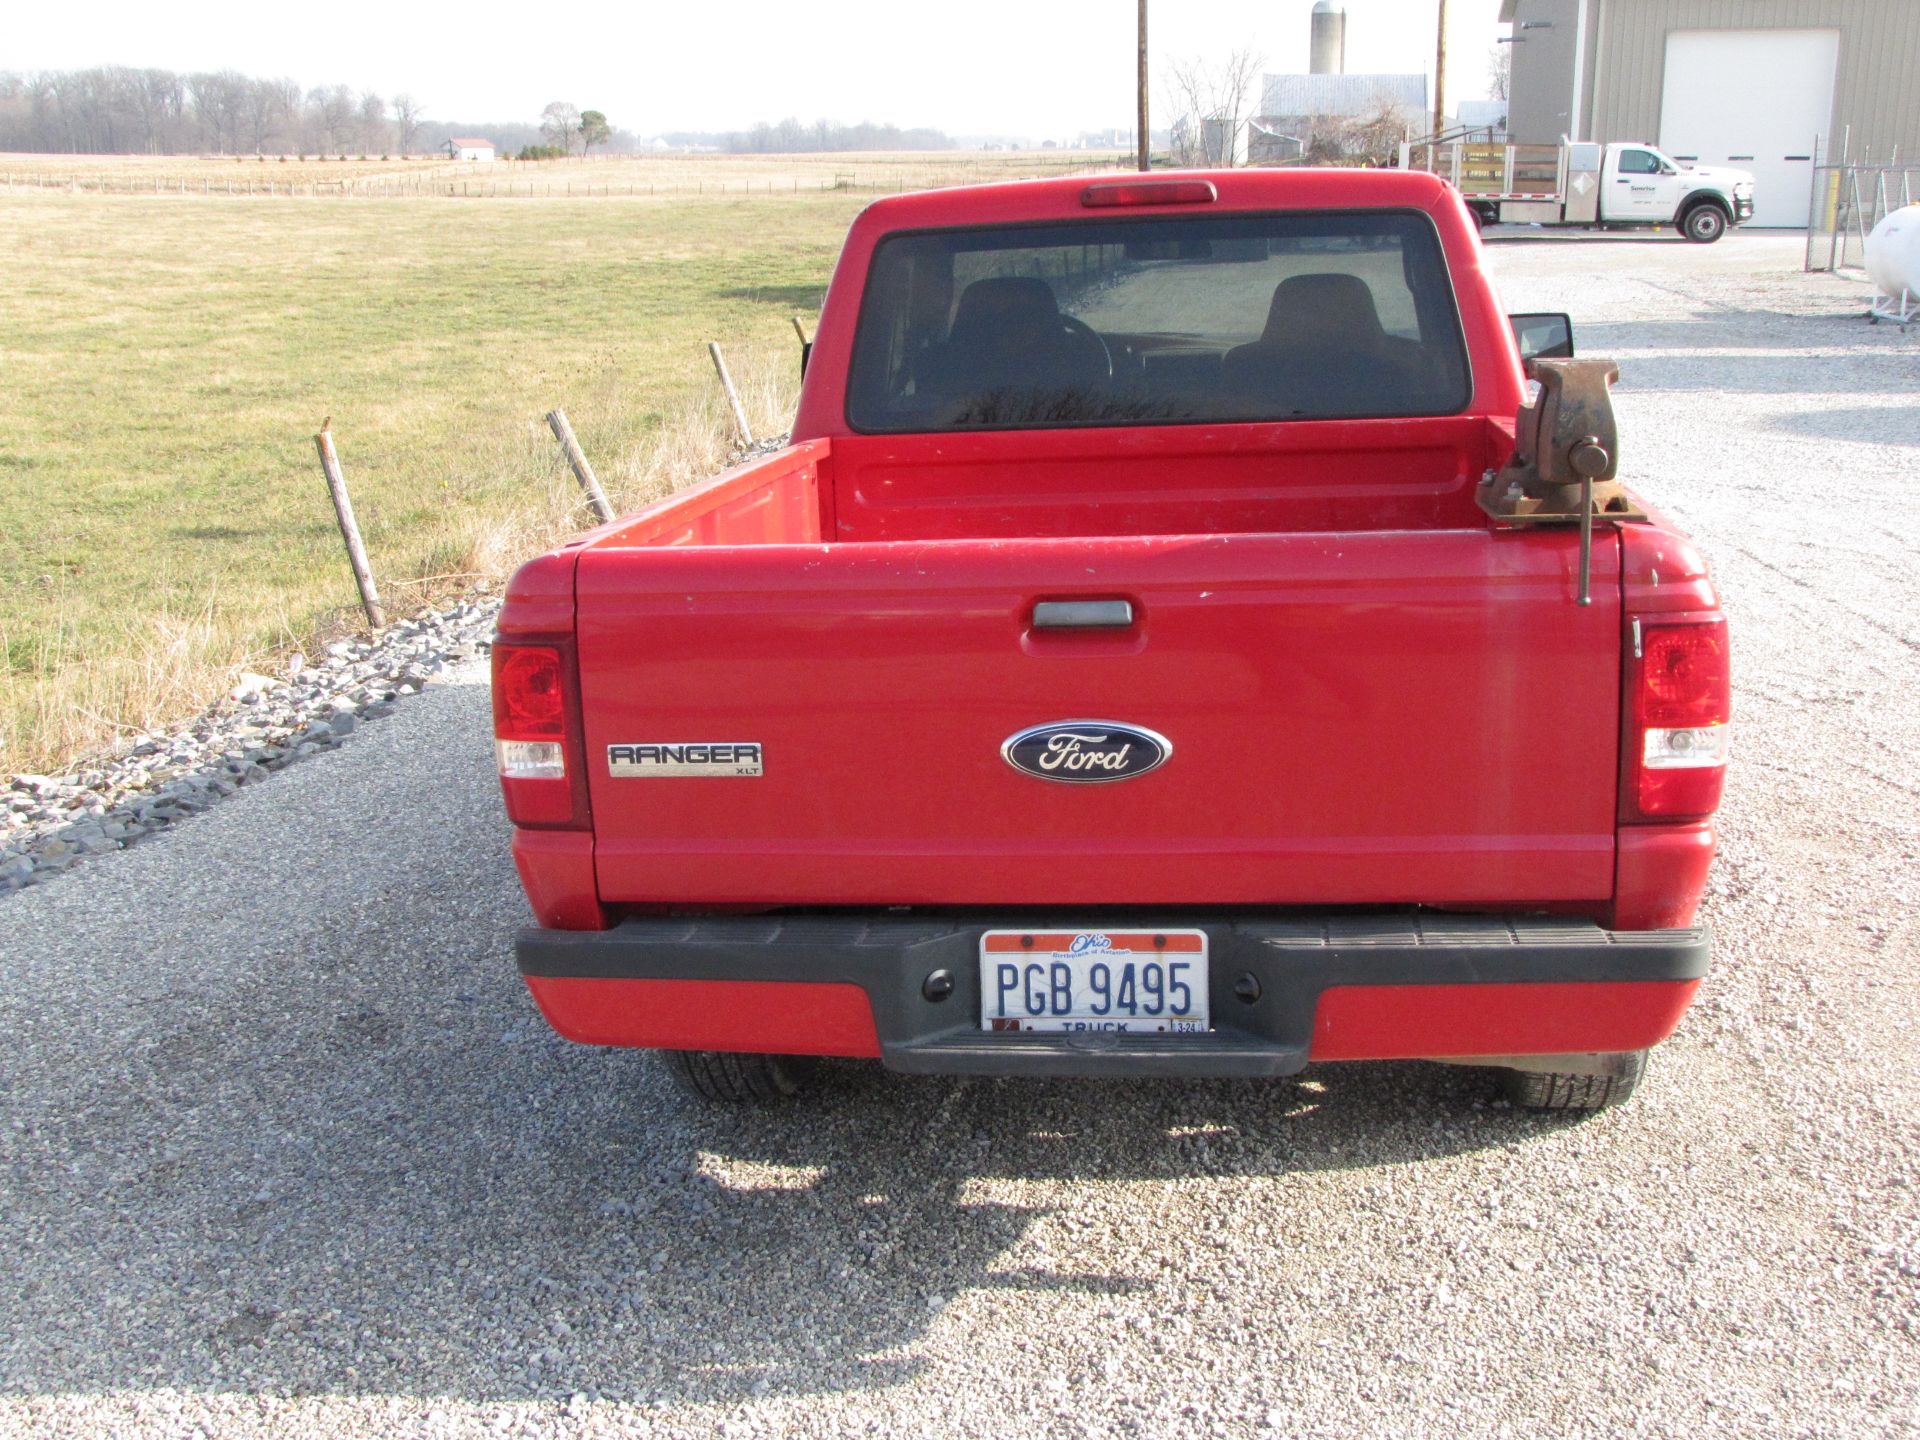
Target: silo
<point>1329,52</point>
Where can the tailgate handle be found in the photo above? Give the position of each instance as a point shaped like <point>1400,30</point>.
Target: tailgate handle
<point>1082,614</point>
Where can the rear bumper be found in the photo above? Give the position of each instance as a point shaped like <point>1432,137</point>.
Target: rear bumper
<point>1342,988</point>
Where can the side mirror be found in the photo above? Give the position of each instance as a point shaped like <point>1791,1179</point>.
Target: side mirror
<point>1542,337</point>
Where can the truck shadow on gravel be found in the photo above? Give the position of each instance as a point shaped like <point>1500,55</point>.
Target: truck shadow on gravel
<point>341,1154</point>
<point>511,1219</point>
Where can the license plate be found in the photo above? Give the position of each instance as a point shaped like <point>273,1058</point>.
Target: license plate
<point>1119,981</point>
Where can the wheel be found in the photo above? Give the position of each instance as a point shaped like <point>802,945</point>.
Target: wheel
<point>732,1079</point>
<point>1704,223</point>
<point>1556,1090</point>
<point>1480,217</point>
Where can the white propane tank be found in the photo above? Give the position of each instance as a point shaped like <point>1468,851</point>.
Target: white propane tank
<point>1893,254</point>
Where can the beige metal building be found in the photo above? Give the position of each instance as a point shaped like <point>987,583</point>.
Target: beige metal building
<point>1769,86</point>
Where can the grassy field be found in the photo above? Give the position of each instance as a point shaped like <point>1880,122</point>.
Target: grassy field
<point>166,363</point>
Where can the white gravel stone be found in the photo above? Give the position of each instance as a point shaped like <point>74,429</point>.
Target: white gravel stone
<point>261,725</point>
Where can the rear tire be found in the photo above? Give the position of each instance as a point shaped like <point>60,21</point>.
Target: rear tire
<point>729,1079</point>
<point>1704,223</point>
<point>1556,1090</point>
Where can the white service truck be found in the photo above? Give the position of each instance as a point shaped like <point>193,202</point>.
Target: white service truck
<point>1587,184</point>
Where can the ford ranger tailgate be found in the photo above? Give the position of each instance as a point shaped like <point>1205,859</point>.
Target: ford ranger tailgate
<point>1353,718</point>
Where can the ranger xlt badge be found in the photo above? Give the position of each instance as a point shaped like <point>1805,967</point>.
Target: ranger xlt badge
<point>1086,751</point>
<point>708,758</point>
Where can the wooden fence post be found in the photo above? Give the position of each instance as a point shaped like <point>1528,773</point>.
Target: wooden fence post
<point>349,528</point>
<point>582,471</point>
<point>733,396</point>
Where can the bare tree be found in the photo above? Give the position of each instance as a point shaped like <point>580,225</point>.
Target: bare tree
<point>331,108</point>
<point>373,122</point>
<point>1500,73</point>
<point>111,96</point>
<point>560,122</point>
<point>219,105</point>
<point>1215,100</point>
<point>43,106</point>
<point>266,110</point>
<point>158,99</point>
<point>1369,139</point>
<point>113,109</point>
<point>286,106</point>
<point>87,96</point>
<point>407,115</point>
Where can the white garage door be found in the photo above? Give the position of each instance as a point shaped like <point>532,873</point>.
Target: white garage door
<point>1755,100</point>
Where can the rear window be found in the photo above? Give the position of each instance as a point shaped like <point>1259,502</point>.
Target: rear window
<point>1156,321</point>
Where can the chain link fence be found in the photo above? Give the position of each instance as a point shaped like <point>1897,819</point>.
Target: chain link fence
<point>1848,201</point>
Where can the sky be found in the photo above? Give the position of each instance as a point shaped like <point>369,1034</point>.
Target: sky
<point>1036,68</point>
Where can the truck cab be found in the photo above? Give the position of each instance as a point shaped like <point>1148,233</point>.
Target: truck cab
<point>1641,185</point>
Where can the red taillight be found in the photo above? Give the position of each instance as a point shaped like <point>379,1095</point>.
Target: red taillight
<point>1676,753</point>
<point>535,738</point>
<point>1149,192</point>
<point>527,702</point>
<point>1683,674</point>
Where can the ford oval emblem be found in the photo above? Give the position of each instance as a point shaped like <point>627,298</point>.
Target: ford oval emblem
<point>1086,752</point>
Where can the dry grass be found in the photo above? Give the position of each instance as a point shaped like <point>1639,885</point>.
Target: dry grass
<point>695,439</point>
<point>917,169</point>
<point>162,518</point>
<point>136,172</point>
<point>595,175</point>
<point>76,699</point>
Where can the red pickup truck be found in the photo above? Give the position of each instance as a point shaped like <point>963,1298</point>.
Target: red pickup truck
<point>1144,660</point>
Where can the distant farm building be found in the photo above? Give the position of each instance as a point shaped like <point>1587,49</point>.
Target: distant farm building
<point>1298,110</point>
<point>1327,115</point>
<point>469,149</point>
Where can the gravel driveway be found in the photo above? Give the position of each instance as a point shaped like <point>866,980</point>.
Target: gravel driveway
<point>286,1149</point>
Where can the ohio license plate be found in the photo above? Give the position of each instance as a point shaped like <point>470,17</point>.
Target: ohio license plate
<point>1122,981</point>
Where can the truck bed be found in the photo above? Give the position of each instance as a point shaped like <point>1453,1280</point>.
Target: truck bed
<point>1335,476</point>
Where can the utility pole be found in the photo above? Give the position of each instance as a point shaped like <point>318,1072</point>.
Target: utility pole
<point>1440,74</point>
<point>1146,145</point>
